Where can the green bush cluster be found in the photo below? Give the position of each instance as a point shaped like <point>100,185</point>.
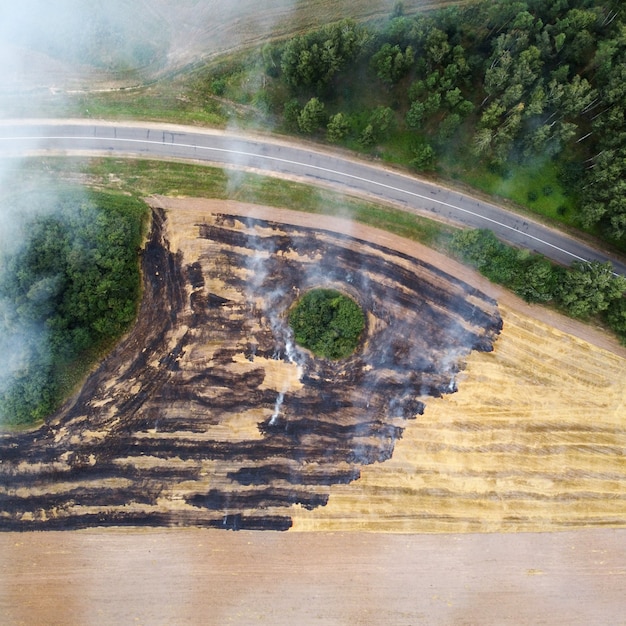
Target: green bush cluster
<point>328,323</point>
<point>582,291</point>
<point>68,292</point>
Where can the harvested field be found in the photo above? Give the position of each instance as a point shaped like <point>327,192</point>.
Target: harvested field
<point>124,44</point>
<point>533,441</point>
<point>207,415</point>
<point>215,27</point>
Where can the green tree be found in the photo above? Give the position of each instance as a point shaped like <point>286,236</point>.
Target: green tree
<point>540,281</point>
<point>337,128</point>
<point>616,317</point>
<point>75,287</point>
<point>383,121</point>
<point>453,97</point>
<point>476,246</point>
<point>449,125</point>
<point>432,104</point>
<point>312,116</point>
<point>464,108</point>
<point>604,196</point>
<point>577,96</point>
<point>577,26</point>
<point>415,114</point>
<point>589,288</point>
<point>328,323</point>
<point>424,157</point>
<point>436,47</point>
<point>291,114</point>
<point>492,116</point>
<point>367,137</point>
<point>313,59</point>
<point>391,63</point>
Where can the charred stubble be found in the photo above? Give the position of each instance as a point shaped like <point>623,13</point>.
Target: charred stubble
<point>207,414</point>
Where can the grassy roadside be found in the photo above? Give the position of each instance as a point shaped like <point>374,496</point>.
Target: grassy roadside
<point>190,98</point>
<point>142,178</point>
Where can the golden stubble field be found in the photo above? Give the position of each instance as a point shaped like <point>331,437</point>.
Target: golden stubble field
<point>534,440</point>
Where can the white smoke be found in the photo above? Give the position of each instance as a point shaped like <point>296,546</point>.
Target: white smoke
<point>274,312</point>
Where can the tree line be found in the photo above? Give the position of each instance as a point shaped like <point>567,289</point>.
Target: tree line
<point>582,291</point>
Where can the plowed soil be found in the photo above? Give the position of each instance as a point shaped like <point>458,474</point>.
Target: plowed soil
<point>190,576</point>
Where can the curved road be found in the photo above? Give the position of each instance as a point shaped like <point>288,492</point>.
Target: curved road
<point>279,158</point>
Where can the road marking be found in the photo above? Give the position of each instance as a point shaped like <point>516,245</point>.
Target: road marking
<point>291,162</point>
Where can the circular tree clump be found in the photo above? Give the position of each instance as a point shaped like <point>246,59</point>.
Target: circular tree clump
<point>327,323</point>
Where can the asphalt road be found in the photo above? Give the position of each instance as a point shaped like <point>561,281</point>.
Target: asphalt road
<point>312,165</point>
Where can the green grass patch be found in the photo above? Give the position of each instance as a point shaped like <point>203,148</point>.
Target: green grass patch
<point>534,186</point>
<point>398,148</point>
<point>141,178</point>
<point>163,103</point>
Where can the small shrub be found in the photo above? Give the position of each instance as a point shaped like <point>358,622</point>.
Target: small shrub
<point>218,86</point>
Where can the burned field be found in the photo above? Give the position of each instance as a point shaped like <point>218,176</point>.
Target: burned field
<point>208,414</point>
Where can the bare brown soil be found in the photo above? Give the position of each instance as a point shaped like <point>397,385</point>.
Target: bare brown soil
<point>211,577</point>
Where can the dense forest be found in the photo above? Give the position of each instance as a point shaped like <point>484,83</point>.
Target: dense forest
<point>65,295</point>
<point>500,83</point>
